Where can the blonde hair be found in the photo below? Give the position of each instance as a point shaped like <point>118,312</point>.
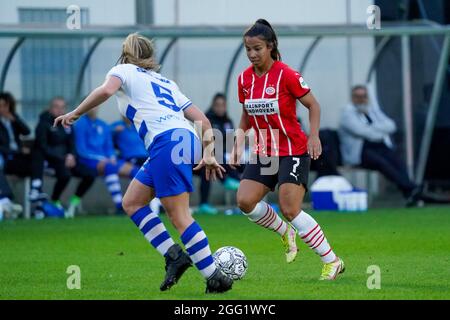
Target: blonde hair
<point>138,50</point>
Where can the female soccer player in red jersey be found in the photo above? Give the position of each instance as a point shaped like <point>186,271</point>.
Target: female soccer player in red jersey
<point>268,90</point>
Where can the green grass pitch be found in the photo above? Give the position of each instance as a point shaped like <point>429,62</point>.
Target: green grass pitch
<point>411,248</point>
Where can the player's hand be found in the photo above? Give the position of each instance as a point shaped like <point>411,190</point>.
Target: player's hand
<point>70,161</point>
<point>119,128</point>
<point>314,147</point>
<point>235,158</point>
<point>101,166</point>
<point>213,168</point>
<point>66,119</point>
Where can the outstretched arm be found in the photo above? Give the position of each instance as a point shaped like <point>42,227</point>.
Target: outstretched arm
<point>94,99</point>
<point>314,145</point>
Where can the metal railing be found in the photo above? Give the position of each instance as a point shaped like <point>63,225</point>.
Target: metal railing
<point>318,33</point>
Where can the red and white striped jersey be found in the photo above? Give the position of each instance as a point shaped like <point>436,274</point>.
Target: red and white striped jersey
<point>270,102</point>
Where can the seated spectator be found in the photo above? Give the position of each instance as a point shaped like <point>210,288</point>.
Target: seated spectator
<point>127,141</point>
<point>217,115</point>
<point>16,157</point>
<point>94,145</point>
<point>365,141</point>
<point>8,209</point>
<point>56,146</point>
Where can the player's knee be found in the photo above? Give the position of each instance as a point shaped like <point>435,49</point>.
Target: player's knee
<point>290,211</point>
<point>130,206</point>
<point>127,206</point>
<point>245,203</point>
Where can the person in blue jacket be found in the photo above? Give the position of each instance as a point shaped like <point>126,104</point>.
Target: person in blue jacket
<point>95,149</point>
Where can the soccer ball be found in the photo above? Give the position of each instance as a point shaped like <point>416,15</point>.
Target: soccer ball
<point>231,261</point>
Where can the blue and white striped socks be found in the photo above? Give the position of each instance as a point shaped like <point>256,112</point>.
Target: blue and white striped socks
<point>153,229</point>
<point>197,246</point>
<point>193,238</point>
<point>114,188</point>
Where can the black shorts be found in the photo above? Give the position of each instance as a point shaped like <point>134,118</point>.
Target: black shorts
<point>278,170</point>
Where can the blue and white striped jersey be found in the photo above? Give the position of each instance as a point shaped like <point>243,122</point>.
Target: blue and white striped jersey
<point>153,103</point>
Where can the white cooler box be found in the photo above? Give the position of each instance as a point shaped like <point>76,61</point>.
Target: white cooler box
<point>335,193</point>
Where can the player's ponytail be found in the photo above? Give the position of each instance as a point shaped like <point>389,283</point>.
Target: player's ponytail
<point>138,50</point>
<point>263,29</point>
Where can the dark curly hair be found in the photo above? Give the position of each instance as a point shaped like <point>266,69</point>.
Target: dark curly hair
<point>10,101</point>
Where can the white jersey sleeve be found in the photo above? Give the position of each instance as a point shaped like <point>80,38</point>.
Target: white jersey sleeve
<point>180,99</point>
<point>153,103</point>
<point>120,71</point>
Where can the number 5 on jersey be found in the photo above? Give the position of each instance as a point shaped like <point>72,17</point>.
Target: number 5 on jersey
<point>164,97</point>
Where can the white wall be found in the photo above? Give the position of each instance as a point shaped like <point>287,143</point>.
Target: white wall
<point>232,12</point>
<point>105,12</point>
<point>101,12</point>
<point>200,65</point>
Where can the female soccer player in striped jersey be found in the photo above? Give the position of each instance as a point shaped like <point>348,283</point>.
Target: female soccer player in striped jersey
<point>159,112</point>
<point>268,90</point>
